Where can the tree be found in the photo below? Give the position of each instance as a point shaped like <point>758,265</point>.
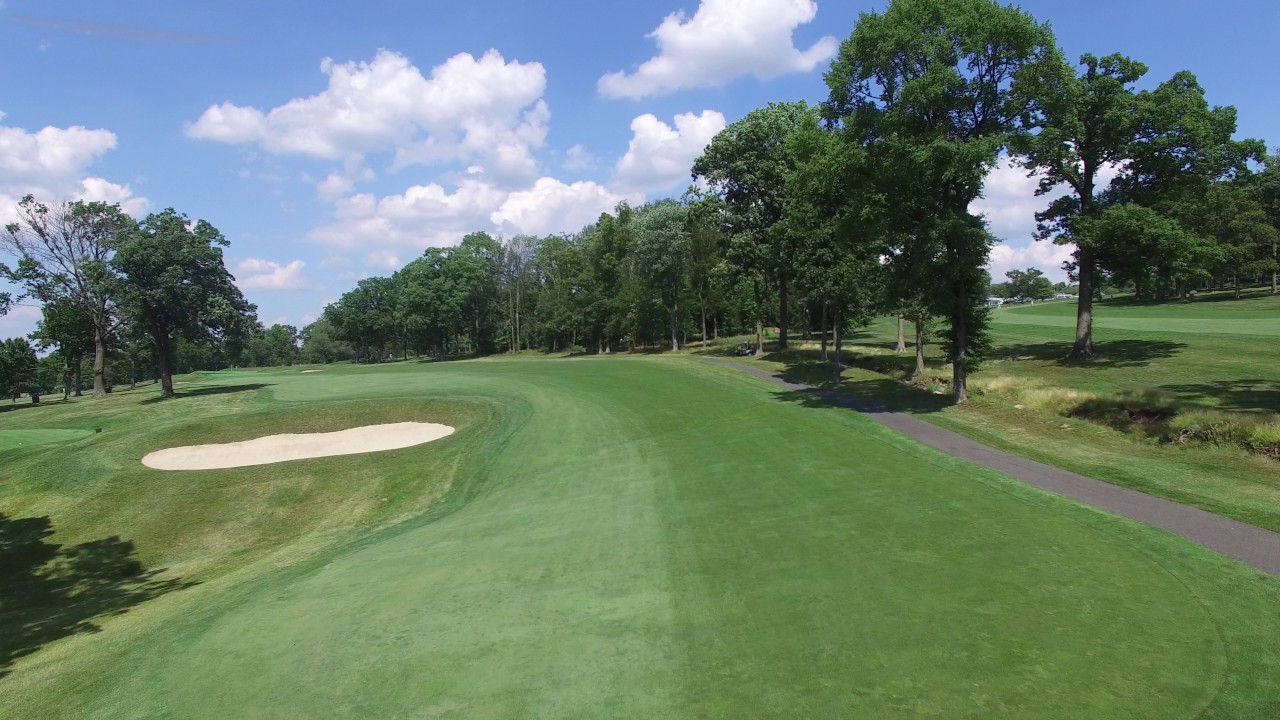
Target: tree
<point>936,90</point>
<point>63,252</point>
<point>662,254</point>
<point>320,344</point>
<point>19,369</point>
<point>1240,230</point>
<point>1088,127</point>
<point>746,167</point>
<point>1030,283</point>
<point>831,215</point>
<point>1266,190</point>
<point>366,317</point>
<point>67,327</point>
<point>173,283</point>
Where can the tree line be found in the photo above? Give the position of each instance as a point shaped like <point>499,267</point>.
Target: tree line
<point>803,217</point>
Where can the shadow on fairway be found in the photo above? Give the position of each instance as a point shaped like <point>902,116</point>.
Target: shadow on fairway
<point>1110,354</point>
<point>215,390</point>
<point>1233,394</point>
<point>48,591</point>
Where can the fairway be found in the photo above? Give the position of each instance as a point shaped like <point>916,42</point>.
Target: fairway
<point>627,537</point>
<point>1220,317</point>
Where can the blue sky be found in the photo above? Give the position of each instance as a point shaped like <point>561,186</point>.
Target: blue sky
<point>332,142</point>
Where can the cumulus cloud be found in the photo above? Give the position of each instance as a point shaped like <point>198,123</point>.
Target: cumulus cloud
<point>20,321</point>
<point>467,107</point>
<point>255,274</point>
<point>53,164</point>
<point>388,228</point>
<point>659,156</point>
<point>724,40</point>
<point>578,158</point>
<point>551,206</point>
<point>1009,204</point>
<point>1044,255</point>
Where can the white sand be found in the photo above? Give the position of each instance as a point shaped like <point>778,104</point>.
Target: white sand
<point>304,372</point>
<point>282,448</point>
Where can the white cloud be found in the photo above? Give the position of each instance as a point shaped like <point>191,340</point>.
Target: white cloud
<point>255,274</point>
<point>53,165</point>
<point>1010,204</point>
<point>724,40</point>
<point>423,216</point>
<point>1044,255</point>
<point>551,206</point>
<point>382,259</point>
<point>659,156</point>
<point>20,321</point>
<point>467,107</point>
<point>578,158</point>
<point>420,217</point>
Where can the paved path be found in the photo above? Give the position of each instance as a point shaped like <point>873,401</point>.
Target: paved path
<point>1256,546</point>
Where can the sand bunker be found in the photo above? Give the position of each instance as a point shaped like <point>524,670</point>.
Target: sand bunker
<point>304,372</point>
<point>283,448</point>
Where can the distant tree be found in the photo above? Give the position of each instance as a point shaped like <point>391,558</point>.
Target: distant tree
<point>63,252</point>
<point>1030,283</point>
<point>366,317</point>
<point>19,369</point>
<point>66,326</point>
<point>746,166</point>
<point>173,283</point>
<point>831,214</point>
<point>662,254</point>
<point>1266,190</point>
<point>320,346</point>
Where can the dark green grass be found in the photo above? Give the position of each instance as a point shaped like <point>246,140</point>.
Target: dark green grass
<point>623,537</point>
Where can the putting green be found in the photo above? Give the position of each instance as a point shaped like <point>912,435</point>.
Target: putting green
<point>659,538</point>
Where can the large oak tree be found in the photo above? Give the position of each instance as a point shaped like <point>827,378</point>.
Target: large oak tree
<point>936,90</point>
<point>172,281</point>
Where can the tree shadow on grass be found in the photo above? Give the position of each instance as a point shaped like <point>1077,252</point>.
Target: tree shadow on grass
<point>868,392</point>
<point>50,591</point>
<point>214,390</point>
<point>1109,354</point>
<point>1254,394</point>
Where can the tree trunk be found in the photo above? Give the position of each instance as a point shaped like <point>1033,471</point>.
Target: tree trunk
<point>66,379</point>
<point>902,338</point>
<point>839,341</point>
<point>823,330</point>
<point>675,331</point>
<point>80,381</point>
<point>784,311</point>
<point>1083,347</point>
<point>704,326</point>
<point>1237,282</point>
<point>99,360</point>
<point>759,324</point>
<point>808,321</point>
<point>960,328</point>
<point>164,357</point>
<point>919,347</point>
<point>1275,277</point>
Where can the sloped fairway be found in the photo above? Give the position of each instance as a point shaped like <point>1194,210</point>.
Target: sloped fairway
<point>658,538</point>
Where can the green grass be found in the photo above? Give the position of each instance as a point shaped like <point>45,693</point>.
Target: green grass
<point>1030,401</point>
<point>619,537</point>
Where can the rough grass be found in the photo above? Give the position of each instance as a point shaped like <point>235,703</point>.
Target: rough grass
<point>620,537</point>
